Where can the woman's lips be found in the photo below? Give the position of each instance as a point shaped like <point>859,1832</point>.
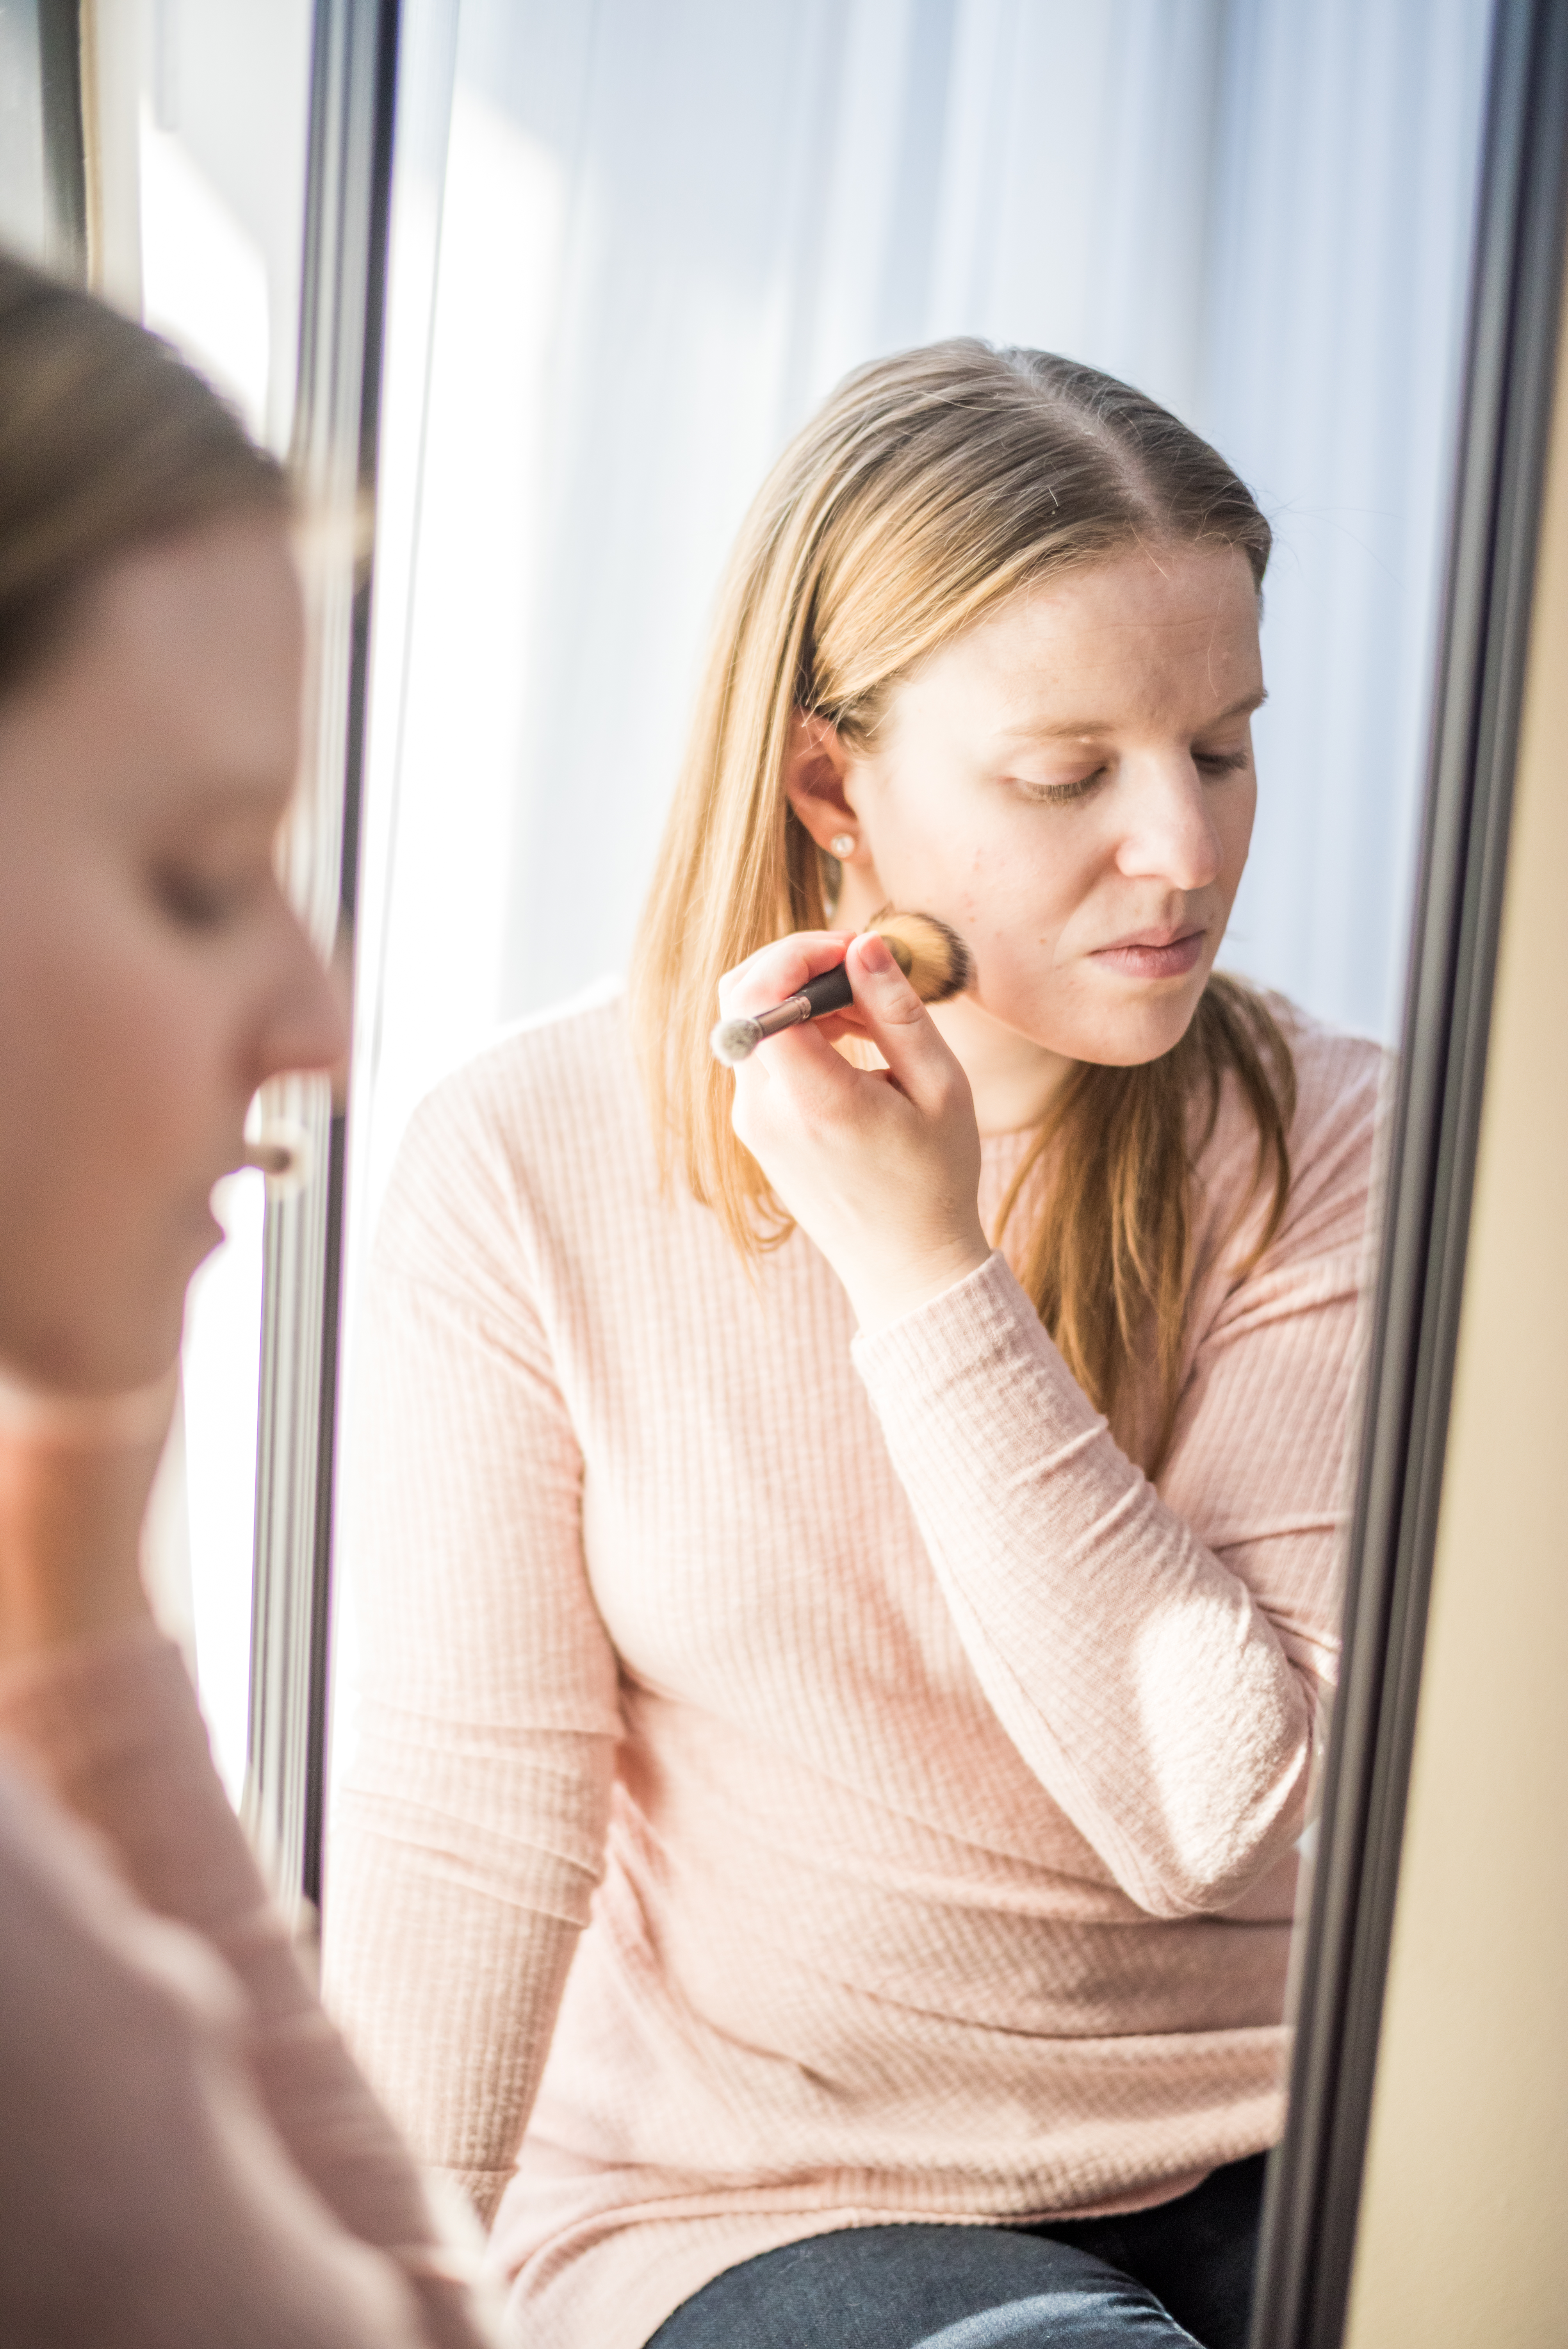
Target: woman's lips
<point>1139,958</point>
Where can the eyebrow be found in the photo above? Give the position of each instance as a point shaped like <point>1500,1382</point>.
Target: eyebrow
<point>1076,728</point>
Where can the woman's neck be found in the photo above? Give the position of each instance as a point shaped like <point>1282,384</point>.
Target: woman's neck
<point>1014,1079</point>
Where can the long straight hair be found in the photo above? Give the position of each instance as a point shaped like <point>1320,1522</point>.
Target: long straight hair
<point>931,488</point>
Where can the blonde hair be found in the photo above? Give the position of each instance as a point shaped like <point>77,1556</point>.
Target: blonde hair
<point>930,488</point>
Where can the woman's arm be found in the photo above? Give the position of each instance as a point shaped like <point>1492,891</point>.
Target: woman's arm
<point>1162,1686</point>
<point>1164,1692</point>
<point>468,1840</point>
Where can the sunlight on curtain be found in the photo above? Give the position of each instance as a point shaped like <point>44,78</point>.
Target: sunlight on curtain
<point>1342,208</point>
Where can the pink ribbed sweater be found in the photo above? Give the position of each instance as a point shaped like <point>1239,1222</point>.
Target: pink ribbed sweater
<point>944,1773</point>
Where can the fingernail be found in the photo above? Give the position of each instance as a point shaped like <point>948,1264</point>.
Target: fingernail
<point>874,953</point>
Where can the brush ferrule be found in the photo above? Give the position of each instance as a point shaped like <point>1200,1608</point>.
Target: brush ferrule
<point>790,1013</point>
<point>733,1040</point>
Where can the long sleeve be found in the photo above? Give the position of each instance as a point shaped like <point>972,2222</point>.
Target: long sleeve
<point>200,2112</point>
<point>1156,1657</point>
<point>470,1836</point>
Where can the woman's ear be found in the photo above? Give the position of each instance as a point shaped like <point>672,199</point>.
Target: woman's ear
<point>816,766</point>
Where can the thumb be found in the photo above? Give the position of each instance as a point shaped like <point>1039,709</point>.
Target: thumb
<point>898,1022</point>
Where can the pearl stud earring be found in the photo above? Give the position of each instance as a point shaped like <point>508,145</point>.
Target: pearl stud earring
<point>842,844</point>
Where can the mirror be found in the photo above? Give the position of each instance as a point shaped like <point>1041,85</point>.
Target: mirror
<point>626,262</point>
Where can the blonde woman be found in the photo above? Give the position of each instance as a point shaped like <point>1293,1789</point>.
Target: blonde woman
<point>187,2155</point>
<point>873,1517</point>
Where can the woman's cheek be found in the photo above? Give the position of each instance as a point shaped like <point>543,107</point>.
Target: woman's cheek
<point>1015,981</point>
<point>164,1049</point>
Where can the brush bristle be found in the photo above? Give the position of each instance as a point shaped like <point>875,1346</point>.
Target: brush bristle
<point>733,1040</point>
<point>939,964</point>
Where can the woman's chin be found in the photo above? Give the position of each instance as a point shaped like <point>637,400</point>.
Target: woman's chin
<point>88,1370</point>
<point>1102,1014</point>
<point>1132,1044</point>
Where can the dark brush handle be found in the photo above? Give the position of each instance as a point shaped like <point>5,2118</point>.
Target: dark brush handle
<point>829,991</point>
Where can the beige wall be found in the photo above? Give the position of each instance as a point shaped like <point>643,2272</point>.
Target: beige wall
<point>1463,2235</point>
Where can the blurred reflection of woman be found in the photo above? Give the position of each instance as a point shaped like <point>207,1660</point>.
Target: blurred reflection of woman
<point>920,1641</point>
<point>187,2155</point>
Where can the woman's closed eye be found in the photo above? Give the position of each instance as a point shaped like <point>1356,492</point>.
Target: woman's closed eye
<point>1060,794</point>
<point>197,899</point>
<point>1222,762</point>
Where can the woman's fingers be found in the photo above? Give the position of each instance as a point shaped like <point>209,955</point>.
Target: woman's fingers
<point>779,970</point>
<point>898,1024</point>
<point>881,1168</point>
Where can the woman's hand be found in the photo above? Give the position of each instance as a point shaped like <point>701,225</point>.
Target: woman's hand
<point>881,1168</point>
<point>75,1476</point>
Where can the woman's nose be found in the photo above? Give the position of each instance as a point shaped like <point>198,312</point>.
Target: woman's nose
<point>311,1021</point>
<point>1170,833</point>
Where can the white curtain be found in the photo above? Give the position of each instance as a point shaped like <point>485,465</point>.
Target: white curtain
<point>634,245</point>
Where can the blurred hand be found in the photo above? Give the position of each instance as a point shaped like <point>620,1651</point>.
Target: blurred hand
<point>75,1476</point>
<point>881,1168</point>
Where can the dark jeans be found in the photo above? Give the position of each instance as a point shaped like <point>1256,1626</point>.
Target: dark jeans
<point>1181,2272</point>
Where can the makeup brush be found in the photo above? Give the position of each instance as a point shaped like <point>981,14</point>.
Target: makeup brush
<point>933,958</point>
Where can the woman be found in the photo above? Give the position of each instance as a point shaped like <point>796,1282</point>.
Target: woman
<point>188,2156</point>
<point>939,1749</point>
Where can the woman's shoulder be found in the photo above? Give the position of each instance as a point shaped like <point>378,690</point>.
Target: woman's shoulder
<point>1341,1082</point>
<point>545,1120</point>
<point>69,1914</point>
<point>549,1081</point>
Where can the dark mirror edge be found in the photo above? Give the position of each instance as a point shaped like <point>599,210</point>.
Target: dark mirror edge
<point>333,458</point>
<point>1310,2217</point>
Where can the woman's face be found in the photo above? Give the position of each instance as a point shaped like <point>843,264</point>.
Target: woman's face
<point>1070,785</point>
<point>151,974</point>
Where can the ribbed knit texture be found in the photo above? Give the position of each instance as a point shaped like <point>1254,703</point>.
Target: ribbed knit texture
<point>943,1775</point>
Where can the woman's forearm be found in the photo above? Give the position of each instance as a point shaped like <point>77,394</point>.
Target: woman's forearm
<point>1138,1676</point>
<point>458,1881</point>
<point>454,2033</point>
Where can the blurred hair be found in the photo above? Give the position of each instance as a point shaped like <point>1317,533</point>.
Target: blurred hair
<point>929,488</point>
<point>107,439</point>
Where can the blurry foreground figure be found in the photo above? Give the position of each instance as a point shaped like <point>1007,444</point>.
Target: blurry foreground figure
<point>188,2153</point>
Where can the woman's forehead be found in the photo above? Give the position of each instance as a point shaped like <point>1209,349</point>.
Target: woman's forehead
<point>1075,657</point>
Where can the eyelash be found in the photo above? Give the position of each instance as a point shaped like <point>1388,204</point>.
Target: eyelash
<point>194,903</point>
<point>1212,763</point>
<point>1059,794</point>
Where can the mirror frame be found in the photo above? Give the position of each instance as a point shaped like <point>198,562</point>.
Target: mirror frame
<point>1310,2219</point>
<point>336,427</point>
